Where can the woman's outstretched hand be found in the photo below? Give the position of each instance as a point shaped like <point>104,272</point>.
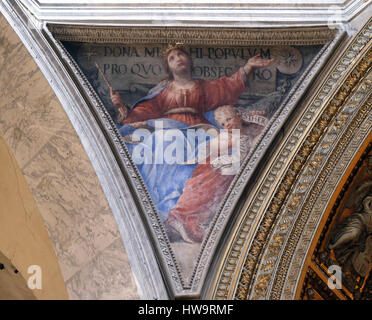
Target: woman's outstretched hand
<point>257,62</point>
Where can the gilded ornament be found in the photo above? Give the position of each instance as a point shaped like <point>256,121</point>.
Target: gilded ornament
<point>342,94</point>
<point>274,206</point>
<point>288,180</point>
<point>321,126</point>
<point>331,110</point>
<point>305,151</point>
<point>295,201</point>
<point>281,194</point>
<point>296,165</point>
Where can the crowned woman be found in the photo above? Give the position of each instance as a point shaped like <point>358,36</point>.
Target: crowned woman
<point>183,98</point>
<point>180,102</point>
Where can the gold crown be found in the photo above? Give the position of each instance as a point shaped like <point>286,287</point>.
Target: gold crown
<point>177,45</point>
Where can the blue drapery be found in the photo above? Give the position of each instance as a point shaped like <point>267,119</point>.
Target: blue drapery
<point>164,181</point>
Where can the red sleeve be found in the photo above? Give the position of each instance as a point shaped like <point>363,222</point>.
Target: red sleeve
<point>144,111</point>
<point>224,90</point>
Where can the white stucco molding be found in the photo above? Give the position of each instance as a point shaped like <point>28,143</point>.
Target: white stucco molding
<point>244,13</point>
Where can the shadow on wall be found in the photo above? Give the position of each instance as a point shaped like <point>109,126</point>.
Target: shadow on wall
<point>12,285</point>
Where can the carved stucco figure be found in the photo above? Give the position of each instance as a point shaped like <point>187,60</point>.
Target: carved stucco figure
<point>352,239</point>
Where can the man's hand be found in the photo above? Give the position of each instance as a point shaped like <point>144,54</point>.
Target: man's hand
<point>257,62</point>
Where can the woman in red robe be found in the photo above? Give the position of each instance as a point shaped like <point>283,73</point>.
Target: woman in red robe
<point>185,100</point>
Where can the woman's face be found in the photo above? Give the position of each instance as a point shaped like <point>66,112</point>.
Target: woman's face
<point>178,61</point>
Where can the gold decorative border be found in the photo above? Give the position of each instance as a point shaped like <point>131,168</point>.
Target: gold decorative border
<point>297,167</point>
<point>355,131</point>
<point>329,217</point>
<point>356,121</point>
<point>193,35</point>
<point>248,271</point>
<point>298,164</point>
<point>308,206</point>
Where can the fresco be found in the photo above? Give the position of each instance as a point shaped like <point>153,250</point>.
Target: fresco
<point>189,116</point>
